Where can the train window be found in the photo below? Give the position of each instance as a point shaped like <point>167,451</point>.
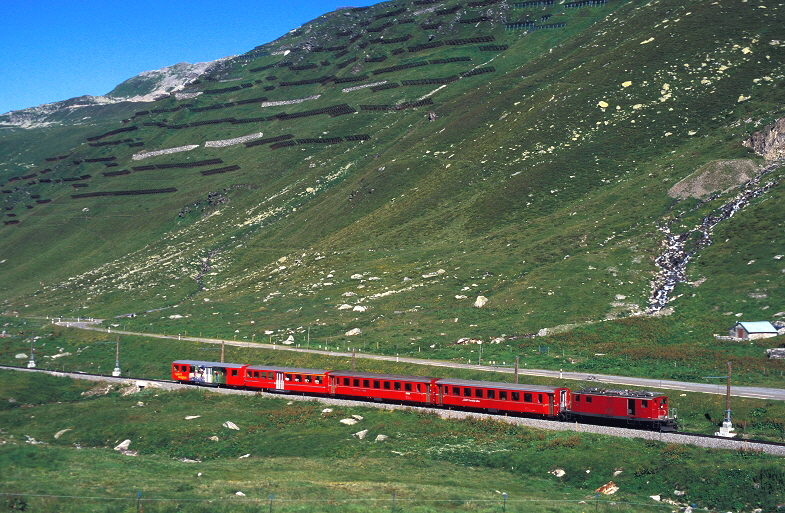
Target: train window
<point>184,368</point>
<point>356,382</point>
<point>396,385</point>
<point>367,383</point>
<point>298,378</point>
<point>588,398</point>
<point>318,379</point>
<point>644,403</point>
<point>515,396</point>
<point>664,401</point>
<point>308,378</point>
<point>477,392</point>
<point>347,382</point>
<point>407,387</point>
<point>491,394</point>
<point>287,377</point>
<point>467,392</point>
<point>445,390</point>
<point>234,372</point>
<point>527,398</point>
<point>387,385</point>
<point>377,383</point>
<point>456,391</point>
<point>502,395</point>
<point>577,398</point>
<point>256,374</point>
<point>419,387</point>
<point>539,398</point>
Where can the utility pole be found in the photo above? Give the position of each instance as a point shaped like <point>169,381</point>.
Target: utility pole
<point>223,344</point>
<point>516,369</point>
<point>727,426</point>
<point>116,372</point>
<point>31,363</point>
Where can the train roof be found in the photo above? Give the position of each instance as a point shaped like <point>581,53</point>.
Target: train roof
<point>373,375</point>
<point>644,394</point>
<point>208,364</point>
<point>492,384</point>
<point>296,370</point>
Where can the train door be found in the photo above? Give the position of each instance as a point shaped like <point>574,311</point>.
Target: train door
<point>563,406</point>
<point>550,404</point>
<point>631,407</point>
<point>279,380</point>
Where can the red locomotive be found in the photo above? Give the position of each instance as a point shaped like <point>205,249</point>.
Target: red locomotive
<point>631,408</point>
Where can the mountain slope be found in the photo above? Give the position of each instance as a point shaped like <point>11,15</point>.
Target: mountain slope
<point>380,168</point>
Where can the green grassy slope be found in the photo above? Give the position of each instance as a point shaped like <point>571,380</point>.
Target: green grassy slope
<point>539,181</point>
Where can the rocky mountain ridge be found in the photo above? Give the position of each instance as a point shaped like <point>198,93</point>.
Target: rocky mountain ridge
<point>148,86</point>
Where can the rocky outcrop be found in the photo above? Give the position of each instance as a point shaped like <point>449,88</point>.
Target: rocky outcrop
<point>769,142</point>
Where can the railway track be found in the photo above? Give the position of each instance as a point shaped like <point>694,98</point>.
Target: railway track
<point>709,441</point>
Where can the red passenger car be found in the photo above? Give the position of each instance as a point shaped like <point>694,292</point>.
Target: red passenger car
<point>629,407</point>
<point>209,373</point>
<point>288,379</point>
<point>508,397</point>
<point>383,387</point>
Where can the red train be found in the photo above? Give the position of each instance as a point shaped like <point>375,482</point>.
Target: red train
<point>632,408</point>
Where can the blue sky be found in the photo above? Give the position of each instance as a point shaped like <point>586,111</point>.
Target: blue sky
<point>52,50</point>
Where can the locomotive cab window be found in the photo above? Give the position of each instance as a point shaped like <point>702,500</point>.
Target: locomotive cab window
<point>588,398</point>
<point>644,403</point>
<point>577,398</point>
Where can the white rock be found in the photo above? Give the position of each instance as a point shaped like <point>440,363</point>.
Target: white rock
<point>359,308</point>
<point>327,410</point>
<point>656,497</point>
<point>123,446</point>
<point>617,472</point>
<point>240,494</point>
<point>619,297</point>
<point>348,422</point>
<point>345,307</point>
<point>358,417</point>
<point>62,432</point>
<point>381,438</point>
<point>357,276</point>
<point>21,356</point>
<point>191,417</point>
<point>678,493</point>
<point>361,434</point>
<point>352,332</point>
<point>461,296</point>
<point>289,341</point>
<point>213,438</point>
<point>230,425</point>
<point>244,456</point>
<point>176,316</point>
<point>140,403</point>
<point>480,301</point>
<point>558,472</point>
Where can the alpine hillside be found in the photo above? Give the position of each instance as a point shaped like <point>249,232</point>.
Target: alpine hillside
<point>424,176</point>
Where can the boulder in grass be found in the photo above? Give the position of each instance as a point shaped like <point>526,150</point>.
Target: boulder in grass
<point>348,422</point>
<point>230,425</point>
<point>360,434</point>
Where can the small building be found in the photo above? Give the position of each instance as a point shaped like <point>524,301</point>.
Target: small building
<point>753,330</point>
